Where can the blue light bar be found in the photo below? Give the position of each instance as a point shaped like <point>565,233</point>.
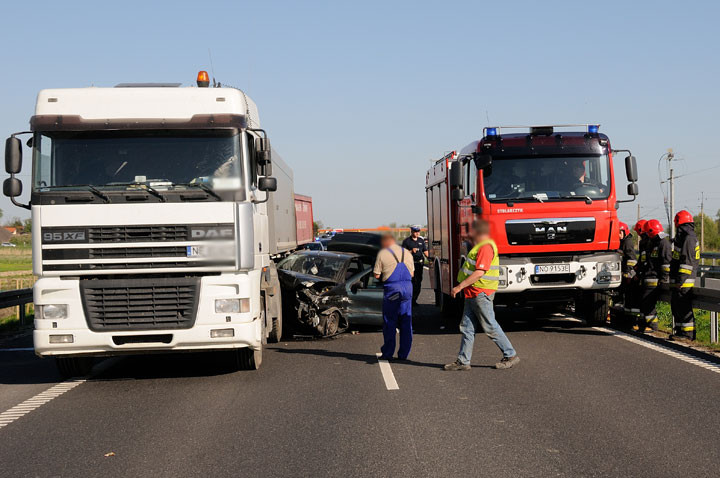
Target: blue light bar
<point>593,128</point>
<point>491,132</point>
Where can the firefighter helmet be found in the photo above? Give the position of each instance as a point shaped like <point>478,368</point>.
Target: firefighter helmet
<point>683,217</point>
<point>624,228</point>
<point>639,226</point>
<point>653,227</point>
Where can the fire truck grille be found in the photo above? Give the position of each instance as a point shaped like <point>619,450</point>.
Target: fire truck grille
<point>140,304</point>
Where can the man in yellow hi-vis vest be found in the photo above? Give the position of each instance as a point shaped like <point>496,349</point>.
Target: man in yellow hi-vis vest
<point>478,280</point>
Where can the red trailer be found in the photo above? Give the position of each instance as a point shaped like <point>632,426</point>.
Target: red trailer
<point>304,219</point>
<point>550,198</point>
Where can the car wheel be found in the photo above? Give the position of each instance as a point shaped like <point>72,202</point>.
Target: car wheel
<point>330,324</point>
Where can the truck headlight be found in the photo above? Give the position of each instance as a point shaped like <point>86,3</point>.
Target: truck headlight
<point>232,306</point>
<point>609,266</point>
<point>53,311</point>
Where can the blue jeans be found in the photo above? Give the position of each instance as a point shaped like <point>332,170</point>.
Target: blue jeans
<point>479,312</point>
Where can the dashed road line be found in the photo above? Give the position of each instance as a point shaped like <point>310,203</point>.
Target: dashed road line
<point>387,373</point>
<point>685,357</point>
<point>22,409</point>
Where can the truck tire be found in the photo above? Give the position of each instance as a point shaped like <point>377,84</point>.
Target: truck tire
<point>593,308</point>
<point>275,334</point>
<point>248,358</point>
<point>73,366</point>
<point>438,290</point>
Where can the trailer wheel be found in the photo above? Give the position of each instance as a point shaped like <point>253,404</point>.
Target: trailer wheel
<point>275,334</point>
<point>73,366</point>
<point>248,358</point>
<point>593,307</point>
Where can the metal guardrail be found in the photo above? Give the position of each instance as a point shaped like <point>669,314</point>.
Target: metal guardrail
<point>706,299</point>
<point>17,298</point>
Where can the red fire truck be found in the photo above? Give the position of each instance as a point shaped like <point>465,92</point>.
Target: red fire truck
<point>549,195</point>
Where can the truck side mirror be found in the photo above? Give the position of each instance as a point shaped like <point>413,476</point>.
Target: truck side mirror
<point>457,194</point>
<point>13,155</point>
<point>631,168</point>
<point>482,161</point>
<point>456,175</point>
<point>264,155</point>
<point>12,187</point>
<point>267,183</point>
<point>632,189</point>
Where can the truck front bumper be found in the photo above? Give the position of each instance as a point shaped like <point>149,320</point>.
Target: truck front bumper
<point>581,272</point>
<point>210,331</point>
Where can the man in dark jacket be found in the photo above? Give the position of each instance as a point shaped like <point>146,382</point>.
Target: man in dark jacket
<point>629,261</point>
<point>419,250</point>
<point>655,272</point>
<point>683,269</point>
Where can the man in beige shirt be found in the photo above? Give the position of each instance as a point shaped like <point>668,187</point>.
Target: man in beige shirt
<point>394,266</point>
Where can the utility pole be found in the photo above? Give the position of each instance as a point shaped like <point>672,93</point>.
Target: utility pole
<point>702,221</point>
<point>638,213</point>
<point>670,157</point>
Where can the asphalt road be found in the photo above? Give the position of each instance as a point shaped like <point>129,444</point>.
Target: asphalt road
<point>581,403</point>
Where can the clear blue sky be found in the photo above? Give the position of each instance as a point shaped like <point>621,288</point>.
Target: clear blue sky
<point>359,96</point>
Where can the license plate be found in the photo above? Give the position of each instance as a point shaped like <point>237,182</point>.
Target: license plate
<point>553,269</point>
<point>193,251</point>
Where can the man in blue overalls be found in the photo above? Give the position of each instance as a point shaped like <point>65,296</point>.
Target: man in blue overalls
<point>394,266</point>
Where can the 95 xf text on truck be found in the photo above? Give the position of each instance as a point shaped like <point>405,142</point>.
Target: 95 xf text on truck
<point>158,212</point>
<point>549,195</point>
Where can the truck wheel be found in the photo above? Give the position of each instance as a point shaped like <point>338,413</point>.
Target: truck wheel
<point>73,366</point>
<point>275,334</point>
<point>438,291</point>
<point>248,358</point>
<point>593,308</point>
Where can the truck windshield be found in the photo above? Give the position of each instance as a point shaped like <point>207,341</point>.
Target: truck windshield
<point>547,178</point>
<point>116,160</point>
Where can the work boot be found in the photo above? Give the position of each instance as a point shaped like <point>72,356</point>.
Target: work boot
<point>507,362</point>
<point>456,366</point>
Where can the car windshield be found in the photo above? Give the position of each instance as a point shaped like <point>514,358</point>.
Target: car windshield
<point>327,266</point>
<point>547,178</point>
<point>111,160</point>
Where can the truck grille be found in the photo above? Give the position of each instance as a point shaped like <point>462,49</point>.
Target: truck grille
<point>164,233</point>
<point>140,304</point>
<point>528,232</point>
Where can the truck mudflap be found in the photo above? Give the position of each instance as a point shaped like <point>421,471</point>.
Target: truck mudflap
<point>582,272</point>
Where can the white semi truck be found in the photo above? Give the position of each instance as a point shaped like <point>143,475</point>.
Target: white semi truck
<point>157,212</point>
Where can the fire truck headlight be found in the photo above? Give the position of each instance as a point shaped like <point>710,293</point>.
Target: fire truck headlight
<point>502,278</point>
<point>232,306</point>
<point>609,266</point>
<point>53,311</point>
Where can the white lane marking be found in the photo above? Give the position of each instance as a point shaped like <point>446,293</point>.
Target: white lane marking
<point>22,409</point>
<point>685,357</point>
<point>387,373</point>
<point>22,349</point>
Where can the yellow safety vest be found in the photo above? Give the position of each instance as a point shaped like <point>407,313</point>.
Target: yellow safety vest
<point>489,280</point>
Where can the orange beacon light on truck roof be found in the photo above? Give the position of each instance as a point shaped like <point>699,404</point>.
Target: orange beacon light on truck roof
<point>203,79</point>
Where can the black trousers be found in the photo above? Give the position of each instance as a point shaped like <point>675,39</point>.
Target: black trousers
<point>417,280</point>
<point>648,302</point>
<point>682,310</point>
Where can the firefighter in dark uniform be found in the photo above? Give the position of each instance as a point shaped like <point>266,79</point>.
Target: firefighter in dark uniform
<point>683,269</point>
<point>418,247</point>
<point>629,261</point>
<point>655,272</point>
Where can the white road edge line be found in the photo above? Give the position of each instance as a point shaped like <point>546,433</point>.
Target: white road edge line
<point>684,356</point>
<point>387,373</point>
<point>33,403</point>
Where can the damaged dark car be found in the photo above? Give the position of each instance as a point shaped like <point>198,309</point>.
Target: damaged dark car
<point>328,291</point>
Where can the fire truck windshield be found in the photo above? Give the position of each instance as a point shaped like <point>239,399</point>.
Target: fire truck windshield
<point>115,160</point>
<point>547,178</point>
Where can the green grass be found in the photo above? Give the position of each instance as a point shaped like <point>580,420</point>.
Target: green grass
<point>702,324</point>
<point>12,323</point>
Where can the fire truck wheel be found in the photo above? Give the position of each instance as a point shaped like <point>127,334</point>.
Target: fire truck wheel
<point>248,358</point>
<point>593,308</point>
<point>73,366</point>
